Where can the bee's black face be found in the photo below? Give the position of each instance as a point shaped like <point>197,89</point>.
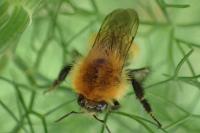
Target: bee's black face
<point>91,106</point>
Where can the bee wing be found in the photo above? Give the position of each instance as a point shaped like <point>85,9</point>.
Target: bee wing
<point>117,32</point>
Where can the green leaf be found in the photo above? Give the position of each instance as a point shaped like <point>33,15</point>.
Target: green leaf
<point>3,15</point>
<point>184,59</point>
<point>13,21</point>
<point>177,6</point>
<point>178,122</point>
<point>190,44</point>
<point>138,119</point>
<point>3,61</point>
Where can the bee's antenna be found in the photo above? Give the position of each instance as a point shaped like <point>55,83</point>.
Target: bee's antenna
<point>103,122</point>
<point>68,114</point>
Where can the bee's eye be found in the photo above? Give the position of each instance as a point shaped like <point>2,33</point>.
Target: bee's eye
<point>81,100</point>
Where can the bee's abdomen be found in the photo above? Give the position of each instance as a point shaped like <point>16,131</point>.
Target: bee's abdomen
<point>100,74</point>
<point>98,79</point>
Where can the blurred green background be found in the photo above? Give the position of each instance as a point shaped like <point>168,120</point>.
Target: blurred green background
<point>37,37</point>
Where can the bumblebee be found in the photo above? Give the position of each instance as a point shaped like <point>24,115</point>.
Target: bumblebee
<point>100,78</point>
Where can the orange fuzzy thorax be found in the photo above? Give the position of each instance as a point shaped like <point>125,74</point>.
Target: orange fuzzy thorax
<point>99,76</point>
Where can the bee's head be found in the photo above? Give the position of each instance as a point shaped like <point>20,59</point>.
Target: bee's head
<point>91,106</point>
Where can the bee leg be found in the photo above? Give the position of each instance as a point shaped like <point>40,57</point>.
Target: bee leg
<point>68,114</point>
<point>116,105</point>
<point>61,77</point>
<point>139,74</point>
<point>139,92</point>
